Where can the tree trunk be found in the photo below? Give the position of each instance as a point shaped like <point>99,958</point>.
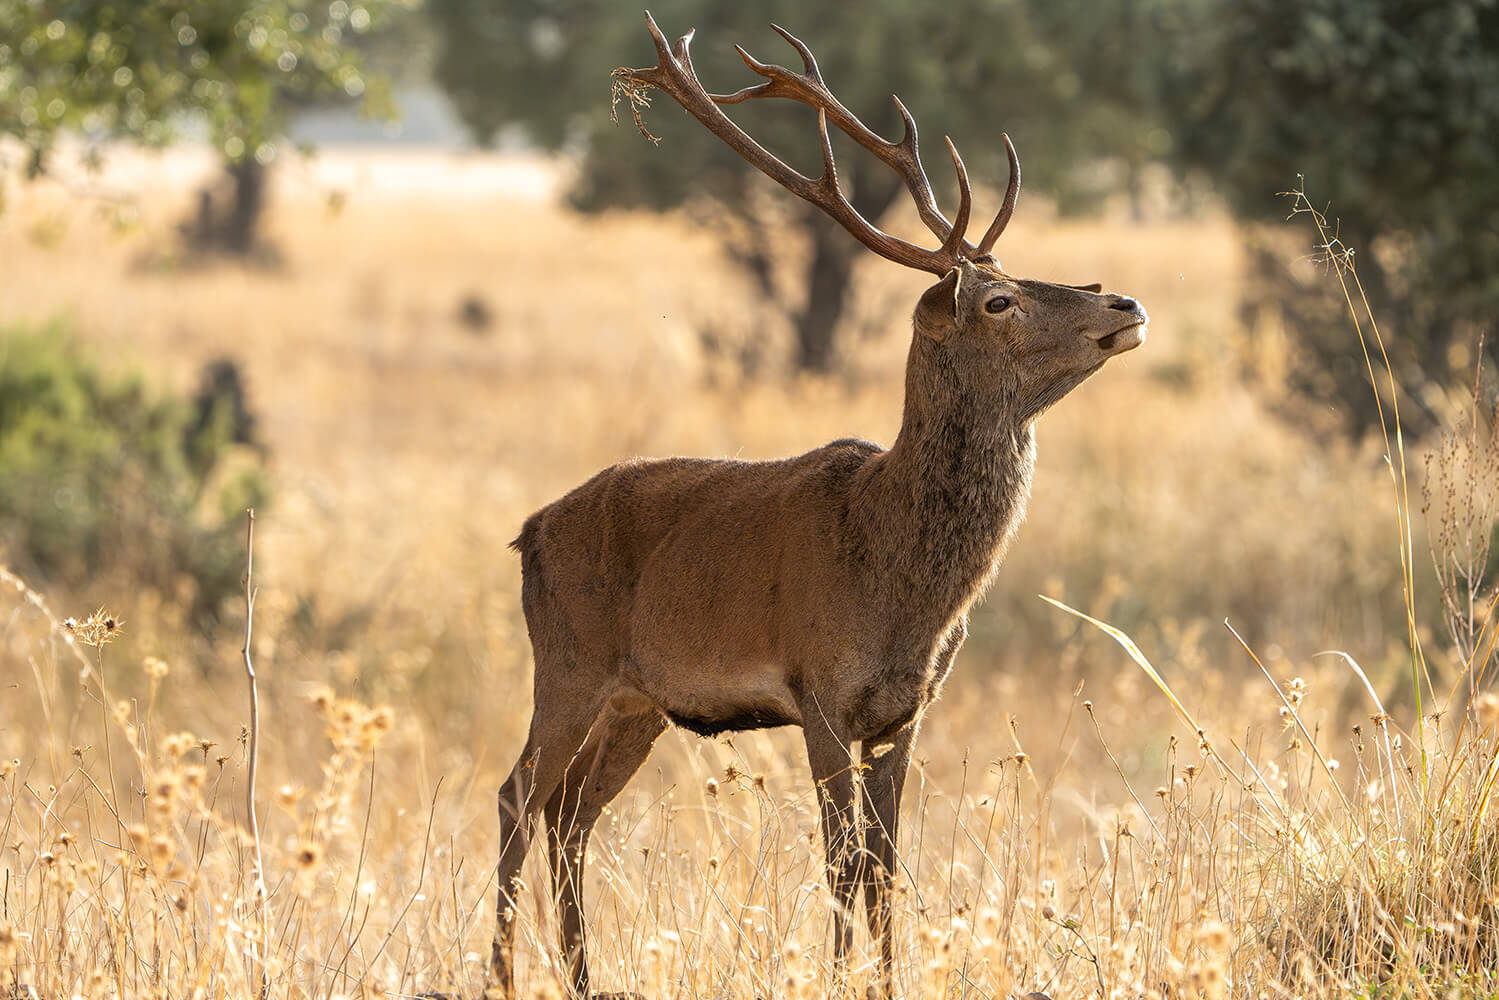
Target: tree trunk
<point>249,177</point>
<point>828,275</point>
<point>834,252</point>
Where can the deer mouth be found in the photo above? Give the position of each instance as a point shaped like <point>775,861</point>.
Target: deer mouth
<point>1124,339</point>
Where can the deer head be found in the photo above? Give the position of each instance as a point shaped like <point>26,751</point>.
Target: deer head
<point>1025,343</point>
<point>1029,341</point>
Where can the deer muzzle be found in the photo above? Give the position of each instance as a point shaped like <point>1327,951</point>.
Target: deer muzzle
<point>1128,332</point>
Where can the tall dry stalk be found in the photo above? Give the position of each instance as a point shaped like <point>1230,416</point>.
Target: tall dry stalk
<point>254,754</point>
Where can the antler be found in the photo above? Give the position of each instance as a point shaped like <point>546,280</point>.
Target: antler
<point>675,75</point>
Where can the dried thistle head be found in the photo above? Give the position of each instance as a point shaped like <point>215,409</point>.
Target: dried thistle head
<point>178,744</point>
<point>322,699</point>
<point>373,726</point>
<point>96,630</point>
<point>1213,936</point>
<point>309,855</point>
<point>162,849</point>
<point>1487,707</point>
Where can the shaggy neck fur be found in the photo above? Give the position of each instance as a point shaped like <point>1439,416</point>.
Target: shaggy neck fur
<point>951,491</point>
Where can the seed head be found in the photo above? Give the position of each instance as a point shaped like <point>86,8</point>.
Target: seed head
<point>381,719</point>
<point>322,699</point>
<point>1213,936</point>
<point>95,630</point>
<point>178,744</point>
<point>308,856</point>
<point>1488,709</point>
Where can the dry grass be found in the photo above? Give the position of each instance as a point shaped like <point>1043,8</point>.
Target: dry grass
<point>1064,829</point>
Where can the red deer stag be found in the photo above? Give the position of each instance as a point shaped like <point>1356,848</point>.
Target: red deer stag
<point>829,591</point>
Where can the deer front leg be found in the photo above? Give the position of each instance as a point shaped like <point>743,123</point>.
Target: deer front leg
<point>884,763</point>
<point>833,771</point>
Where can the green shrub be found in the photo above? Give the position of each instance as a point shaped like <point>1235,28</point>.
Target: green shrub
<point>100,476</point>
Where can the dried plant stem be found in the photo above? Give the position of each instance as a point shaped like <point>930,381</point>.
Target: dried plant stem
<point>254,754</point>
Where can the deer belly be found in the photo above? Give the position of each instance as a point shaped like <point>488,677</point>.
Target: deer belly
<point>721,699</point>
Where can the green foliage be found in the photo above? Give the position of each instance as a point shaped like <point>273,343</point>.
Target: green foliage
<point>101,476</point>
<point>1390,110</point>
<point>970,69</point>
<point>137,68</point>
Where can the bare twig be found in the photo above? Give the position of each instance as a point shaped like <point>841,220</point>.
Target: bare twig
<point>254,753</point>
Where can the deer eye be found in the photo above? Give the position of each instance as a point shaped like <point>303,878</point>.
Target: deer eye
<point>999,304</point>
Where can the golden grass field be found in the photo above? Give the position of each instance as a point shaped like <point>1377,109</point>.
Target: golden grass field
<point>1065,830</point>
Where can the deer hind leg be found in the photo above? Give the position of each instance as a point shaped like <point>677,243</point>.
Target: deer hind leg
<point>833,770</point>
<point>559,727</point>
<point>618,745</point>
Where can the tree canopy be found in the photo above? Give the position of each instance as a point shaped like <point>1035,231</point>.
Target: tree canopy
<point>970,69</point>
<point>1390,110</point>
<point>148,70</point>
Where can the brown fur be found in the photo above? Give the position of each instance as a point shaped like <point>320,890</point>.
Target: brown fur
<point>829,591</point>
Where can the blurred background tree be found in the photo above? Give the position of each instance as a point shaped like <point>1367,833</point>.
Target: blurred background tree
<point>107,480</point>
<point>1390,110</point>
<point>970,69</point>
<point>152,70</point>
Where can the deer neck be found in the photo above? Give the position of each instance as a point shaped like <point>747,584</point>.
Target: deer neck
<point>953,487</point>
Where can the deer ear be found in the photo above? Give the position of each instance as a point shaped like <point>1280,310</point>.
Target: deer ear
<point>937,312</point>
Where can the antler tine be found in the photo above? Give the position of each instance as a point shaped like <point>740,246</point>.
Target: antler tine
<point>829,168</point>
<point>810,89</point>
<point>1007,208</point>
<point>953,245</point>
<point>766,89</point>
<point>663,48</point>
<point>808,59</point>
<point>916,182</point>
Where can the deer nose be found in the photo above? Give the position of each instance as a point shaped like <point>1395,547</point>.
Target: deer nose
<point>1125,304</point>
